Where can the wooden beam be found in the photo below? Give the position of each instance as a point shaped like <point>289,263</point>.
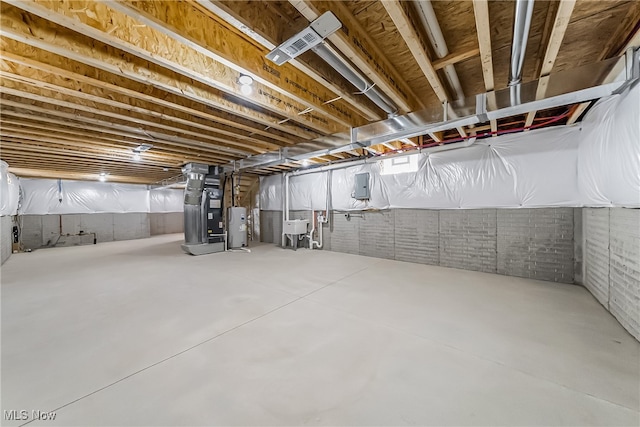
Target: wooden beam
<point>265,26</point>
<point>106,105</point>
<point>17,101</point>
<point>10,128</point>
<point>136,93</point>
<point>183,22</point>
<point>483,29</point>
<point>408,29</point>
<point>354,42</point>
<point>563,16</point>
<point>155,130</point>
<point>57,174</point>
<point>144,39</point>
<point>454,58</point>
<point>42,34</point>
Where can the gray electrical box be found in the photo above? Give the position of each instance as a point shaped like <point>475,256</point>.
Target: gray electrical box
<point>362,186</point>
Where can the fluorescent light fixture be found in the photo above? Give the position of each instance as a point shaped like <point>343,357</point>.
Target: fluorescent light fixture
<point>245,80</point>
<point>246,90</point>
<point>311,36</point>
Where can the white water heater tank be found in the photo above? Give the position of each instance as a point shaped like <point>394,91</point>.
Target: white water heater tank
<point>237,229</point>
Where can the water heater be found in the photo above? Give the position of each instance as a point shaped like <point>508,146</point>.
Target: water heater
<point>237,229</point>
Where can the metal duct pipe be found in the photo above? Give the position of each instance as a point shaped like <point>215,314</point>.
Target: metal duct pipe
<point>434,33</point>
<point>521,26</point>
<point>360,82</point>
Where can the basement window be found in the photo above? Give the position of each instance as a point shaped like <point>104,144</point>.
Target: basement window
<point>404,164</point>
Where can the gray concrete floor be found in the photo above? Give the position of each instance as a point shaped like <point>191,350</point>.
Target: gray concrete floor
<point>138,333</point>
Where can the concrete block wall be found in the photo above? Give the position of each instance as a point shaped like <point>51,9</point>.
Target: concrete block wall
<point>6,237</point>
<point>468,239</point>
<point>612,262</point>
<point>43,230</point>
<point>536,243</point>
<point>166,222</point>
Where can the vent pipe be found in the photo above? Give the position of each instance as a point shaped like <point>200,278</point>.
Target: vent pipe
<point>521,26</point>
<point>430,22</point>
<point>367,89</point>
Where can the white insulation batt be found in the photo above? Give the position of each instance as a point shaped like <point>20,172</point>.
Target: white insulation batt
<point>596,163</point>
<point>51,196</point>
<point>9,191</point>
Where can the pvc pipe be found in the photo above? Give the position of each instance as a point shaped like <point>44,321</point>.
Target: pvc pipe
<point>434,33</point>
<point>521,25</point>
<point>366,88</point>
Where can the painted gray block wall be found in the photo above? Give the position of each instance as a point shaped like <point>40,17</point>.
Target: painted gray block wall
<point>624,268</point>
<point>612,262</point>
<point>468,239</point>
<point>166,222</point>
<point>43,230</point>
<point>417,236</point>
<point>536,243</point>
<point>596,253</point>
<point>6,237</point>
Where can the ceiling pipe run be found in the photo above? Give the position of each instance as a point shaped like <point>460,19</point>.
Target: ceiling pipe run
<point>355,78</point>
<point>434,33</point>
<point>521,25</point>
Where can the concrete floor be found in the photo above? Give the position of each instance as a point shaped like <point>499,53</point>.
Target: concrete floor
<point>137,333</point>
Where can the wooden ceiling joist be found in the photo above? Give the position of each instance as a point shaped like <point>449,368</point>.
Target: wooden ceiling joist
<point>113,98</point>
<point>42,34</point>
<point>483,29</point>
<point>155,131</point>
<point>184,22</point>
<point>138,93</point>
<point>114,109</point>
<point>139,38</point>
<point>454,58</point>
<point>560,24</point>
<point>267,25</point>
<point>411,35</point>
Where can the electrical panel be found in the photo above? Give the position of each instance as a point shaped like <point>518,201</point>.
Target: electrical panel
<point>362,187</point>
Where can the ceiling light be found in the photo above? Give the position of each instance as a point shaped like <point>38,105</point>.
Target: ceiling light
<point>246,89</point>
<point>136,157</point>
<point>102,177</point>
<point>245,80</point>
<point>165,169</point>
<point>305,162</point>
<point>142,147</point>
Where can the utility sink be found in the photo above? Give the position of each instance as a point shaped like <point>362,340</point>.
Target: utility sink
<point>295,226</point>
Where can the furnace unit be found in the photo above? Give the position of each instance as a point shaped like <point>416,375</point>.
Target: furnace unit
<point>203,224</point>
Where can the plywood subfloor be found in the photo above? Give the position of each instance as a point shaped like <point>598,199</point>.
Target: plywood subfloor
<point>137,333</point>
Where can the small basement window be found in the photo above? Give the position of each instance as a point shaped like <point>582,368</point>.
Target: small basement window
<point>401,164</point>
